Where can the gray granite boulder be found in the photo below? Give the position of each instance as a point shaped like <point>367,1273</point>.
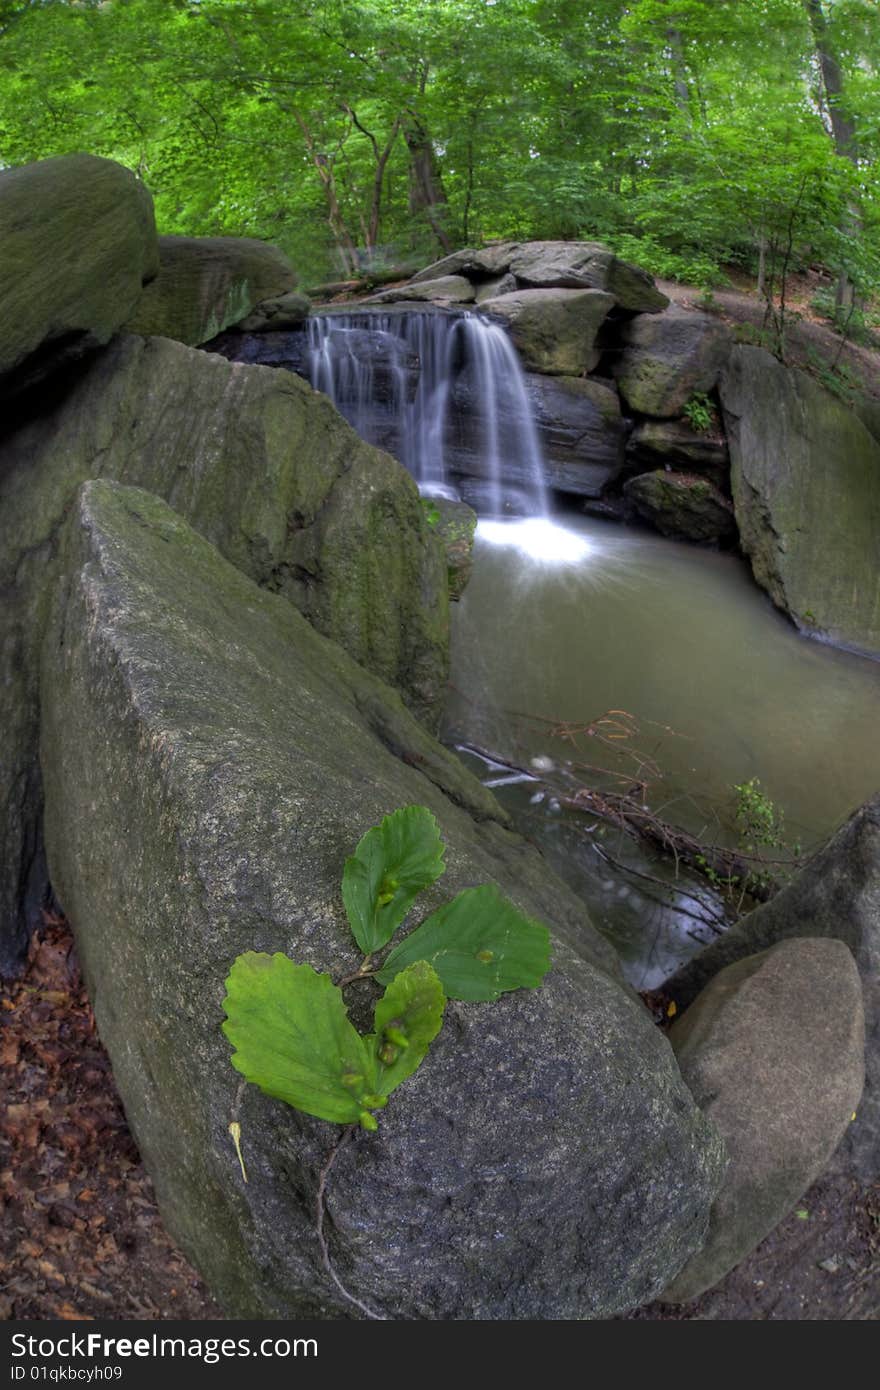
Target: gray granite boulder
<point>773,1051</point>
<point>837,894</point>
<point>683,506</point>
<point>264,467</point>
<point>581,431</point>
<point>210,761</point>
<point>78,242</point>
<point>554,330</point>
<point>205,284</point>
<point>669,357</point>
<point>805,476</point>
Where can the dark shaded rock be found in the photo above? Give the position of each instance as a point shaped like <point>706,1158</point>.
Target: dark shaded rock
<point>455,524</point>
<point>554,330</point>
<point>79,243</point>
<point>683,506</point>
<point>205,284</point>
<point>210,760</point>
<point>283,312</point>
<point>668,358</point>
<point>499,284</point>
<point>836,895</point>
<point>658,443</point>
<point>264,467</point>
<point>773,1052</point>
<point>581,431</point>
<point>805,476</point>
<point>445,289</point>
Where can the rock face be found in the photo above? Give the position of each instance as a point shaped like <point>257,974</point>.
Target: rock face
<point>837,895</point>
<point>563,264</point>
<point>265,468</point>
<point>554,330</point>
<point>798,453</point>
<point>675,444</point>
<point>581,431</point>
<point>683,506</point>
<point>210,761</point>
<point>773,1052</point>
<point>207,283</point>
<point>79,243</point>
<point>668,358</point>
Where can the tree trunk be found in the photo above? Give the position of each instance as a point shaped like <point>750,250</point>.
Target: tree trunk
<point>427,196</point>
<point>842,128</point>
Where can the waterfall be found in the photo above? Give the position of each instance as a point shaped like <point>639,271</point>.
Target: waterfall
<point>418,381</point>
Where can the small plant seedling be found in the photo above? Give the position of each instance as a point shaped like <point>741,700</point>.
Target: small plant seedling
<point>289,1024</point>
<point>700,412</point>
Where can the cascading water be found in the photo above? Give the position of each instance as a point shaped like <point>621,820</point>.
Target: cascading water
<point>435,367</point>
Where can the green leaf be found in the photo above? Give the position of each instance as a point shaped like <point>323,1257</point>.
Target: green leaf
<point>392,864</point>
<point>293,1039</point>
<point>479,944</point>
<point>408,1018</point>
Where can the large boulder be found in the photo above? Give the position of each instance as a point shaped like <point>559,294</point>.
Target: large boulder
<point>589,265</point>
<point>549,264</point>
<point>207,283</point>
<point>773,1051</point>
<point>683,506</point>
<point>668,358</point>
<point>581,431</point>
<point>554,330</point>
<point>210,761</point>
<point>79,242</point>
<point>805,475</point>
<point>837,894</point>
<point>264,467</point>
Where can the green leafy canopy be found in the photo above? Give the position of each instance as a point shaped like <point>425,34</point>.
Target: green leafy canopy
<point>288,1024</point>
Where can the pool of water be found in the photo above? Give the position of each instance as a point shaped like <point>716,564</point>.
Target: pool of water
<point>561,625</point>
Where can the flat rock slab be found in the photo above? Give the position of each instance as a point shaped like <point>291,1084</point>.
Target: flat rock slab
<point>206,284</point>
<point>78,241</point>
<point>446,289</point>
<point>804,475</point>
<point>210,761</point>
<point>265,468</point>
<point>554,330</point>
<point>676,444</point>
<point>668,358</point>
<point>773,1050</point>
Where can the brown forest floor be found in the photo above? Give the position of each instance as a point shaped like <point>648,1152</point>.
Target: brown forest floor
<point>811,341</point>
<point>81,1236</point>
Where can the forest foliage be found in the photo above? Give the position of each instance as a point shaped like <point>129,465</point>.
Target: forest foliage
<point>688,134</point>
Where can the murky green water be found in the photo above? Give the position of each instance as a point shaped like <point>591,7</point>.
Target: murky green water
<point>721,686</point>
